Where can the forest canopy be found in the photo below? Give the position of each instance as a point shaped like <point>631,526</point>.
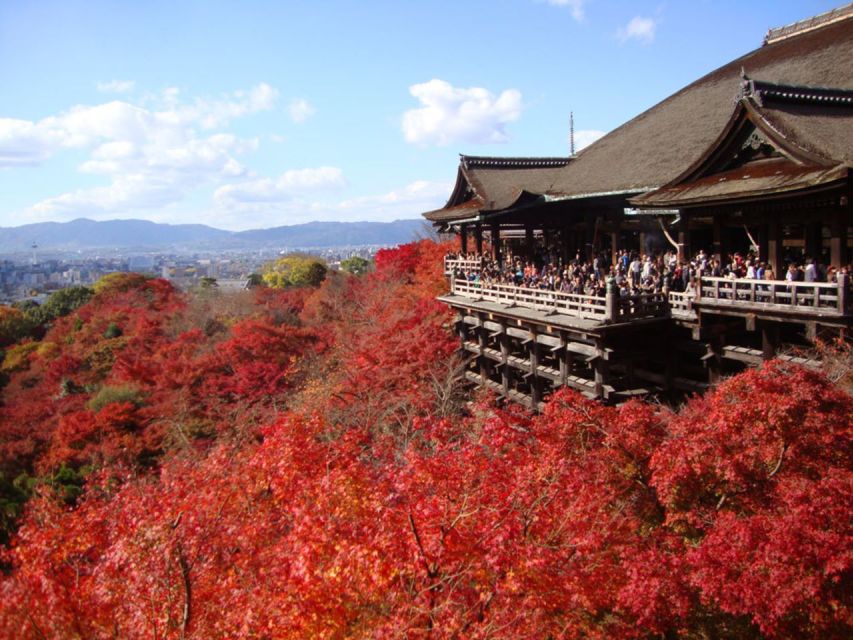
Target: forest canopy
<point>302,460</point>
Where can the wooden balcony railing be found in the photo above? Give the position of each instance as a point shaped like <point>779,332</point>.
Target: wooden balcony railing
<point>681,304</point>
<point>642,305</point>
<point>579,306</point>
<point>472,265</point>
<point>754,296</point>
<point>800,298</point>
<point>610,308</point>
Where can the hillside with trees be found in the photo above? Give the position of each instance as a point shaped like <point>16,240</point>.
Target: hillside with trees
<point>302,460</point>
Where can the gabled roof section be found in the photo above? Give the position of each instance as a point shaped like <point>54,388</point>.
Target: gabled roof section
<point>493,183</point>
<point>756,154</point>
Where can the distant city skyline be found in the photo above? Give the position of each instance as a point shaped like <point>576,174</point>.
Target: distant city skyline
<point>264,114</point>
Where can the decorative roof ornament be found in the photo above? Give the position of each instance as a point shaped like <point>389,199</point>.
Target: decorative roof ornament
<point>571,134</point>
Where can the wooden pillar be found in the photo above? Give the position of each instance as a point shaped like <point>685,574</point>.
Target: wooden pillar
<point>535,382</point>
<point>505,372</point>
<point>642,239</point>
<point>769,340</point>
<point>496,242</point>
<point>528,242</point>
<point>565,362</point>
<point>463,238</point>
<point>601,368</point>
<point>685,251</point>
<point>813,239</point>
<point>567,242</point>
<point>713,360</point>
<point>462,332</point>
<point>614,247</point>
<point>774,249</point>
<point>838,241</point>
<point>478,238</point>
<point>670,366</point>
<point>482,343</point>
<point>763,233</point>
<point>588,249</point>
<point>720,246</point>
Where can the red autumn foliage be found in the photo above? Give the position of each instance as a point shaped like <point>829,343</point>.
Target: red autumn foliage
<point>366,508</point>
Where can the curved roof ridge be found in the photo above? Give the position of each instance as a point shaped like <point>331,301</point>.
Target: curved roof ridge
<point>802,94</point>
<point>514,162</point>
<point>808,24</point>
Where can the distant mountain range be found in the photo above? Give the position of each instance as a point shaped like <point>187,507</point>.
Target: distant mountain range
<point>141,235</point>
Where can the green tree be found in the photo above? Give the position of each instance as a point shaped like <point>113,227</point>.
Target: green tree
<point>356,265</point>
<point>295,271</point>
<point>60,303</point>
<point>14,325</point>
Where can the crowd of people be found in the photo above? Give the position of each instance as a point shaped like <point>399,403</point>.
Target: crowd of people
<point>633,272</point>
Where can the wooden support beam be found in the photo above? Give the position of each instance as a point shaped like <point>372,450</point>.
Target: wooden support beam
<point>521,334</point>
<point>483,342</point>
<point>478,238</point>
<point>463,238</point>
<point>600,366</point>
<point>535,382</point>
<point>505,372</point>
<point>769,340</point>
<point>565,360</point>
<point>752,357</point>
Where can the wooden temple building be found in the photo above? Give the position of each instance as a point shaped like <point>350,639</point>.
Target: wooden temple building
<point>757,153</point>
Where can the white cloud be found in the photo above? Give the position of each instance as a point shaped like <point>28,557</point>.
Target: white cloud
<point>413,199</point>
<point>210,114</point>
<point>265,202</point>
<point>24,143</point>
<point>575,6</point>
<point>300,110</point>
<point>282,189</point>
<point>116,86</point>
<point>450,115</point>
<point>152,156</point>
<point>586,137</point>
<point>639,28</point>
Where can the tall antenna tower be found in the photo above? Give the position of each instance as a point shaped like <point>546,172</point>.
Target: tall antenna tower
<point>571,133</point>
<point>35,257</point>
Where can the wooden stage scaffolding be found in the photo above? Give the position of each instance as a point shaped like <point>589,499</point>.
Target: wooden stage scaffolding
<point>525,343</point>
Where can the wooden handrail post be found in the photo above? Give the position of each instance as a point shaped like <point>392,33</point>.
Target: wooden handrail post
<point>611,301</point>
<point>843,291</point>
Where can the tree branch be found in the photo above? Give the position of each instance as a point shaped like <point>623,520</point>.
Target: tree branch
<point>779,462</point>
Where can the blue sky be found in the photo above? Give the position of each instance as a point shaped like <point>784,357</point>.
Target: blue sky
<point>254,114</point>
